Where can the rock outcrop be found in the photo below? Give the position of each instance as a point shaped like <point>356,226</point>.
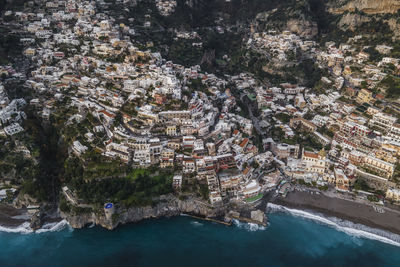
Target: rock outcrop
<point>350,21</point>
<point>368,7</point>
<point>394,25</point>
<point>294,21</point>
<point>167,206</point>
<point>36,221</point>
<point>258,216</point>
<point>303,28</point>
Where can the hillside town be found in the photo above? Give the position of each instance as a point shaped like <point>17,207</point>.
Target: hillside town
<point>235,135</point>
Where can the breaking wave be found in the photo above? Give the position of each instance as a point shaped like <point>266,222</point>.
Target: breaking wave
<point>251,227</point>
<point>26,229</point>
<point>195,223</point>
<point>350,228</point>
<point>54,227</point>
<point>22,229</point>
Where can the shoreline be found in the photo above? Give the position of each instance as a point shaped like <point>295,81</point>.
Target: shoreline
<point>355,212</point>
<point>352,211</point>
<point>13,217</point>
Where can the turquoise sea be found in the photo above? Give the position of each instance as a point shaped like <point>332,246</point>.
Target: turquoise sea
<point>182,241</point>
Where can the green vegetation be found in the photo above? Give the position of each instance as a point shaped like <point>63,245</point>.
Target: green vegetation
<point>257,140</point>
<point>244,110</point>
<point>191,184</point>
<point>306,72</point>
<point>42,180</point>
<point>196,85</point>
<point>183,52</point>
<point>289,141</point>
<point>100,180</point>
<point>323,188</point>
<point>310,142</point>
<point>373,198</point>
<point>325,131</point>
<point>136,190</point>
<point>63,205</point>
<point>277,133</point>
<point>204,192</point>
<point>362,185</point>
<point>283,117</point>
<point>302,182</point>
<point>392,85</point>
<point>104,169</point>
<point>10,46</point>
<point>253,199</point>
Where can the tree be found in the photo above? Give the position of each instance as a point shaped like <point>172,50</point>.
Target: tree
<point>118,120</point>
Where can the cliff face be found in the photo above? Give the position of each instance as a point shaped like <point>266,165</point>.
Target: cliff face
<point>368,6</point>
<point>395,27</point>
<point>350,21</point>
<point>289,19</point>
<point>168,206</point>
<point>304,28</point>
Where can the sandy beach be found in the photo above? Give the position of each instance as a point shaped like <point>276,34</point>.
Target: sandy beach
<point>12,217</point>
<point>344,209</point>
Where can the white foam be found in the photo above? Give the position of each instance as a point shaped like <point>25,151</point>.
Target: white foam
<point>53,227</point>
<point>22,229</point>
<point>251,227</point>
<point>350,228</point>
<point>195,223</point>
<point>26,229</point>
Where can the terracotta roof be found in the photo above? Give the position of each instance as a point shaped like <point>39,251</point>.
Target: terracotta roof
<point>310,154</point>
<point>107,113</point>
<point>244,142</point>
<point>246,171</point>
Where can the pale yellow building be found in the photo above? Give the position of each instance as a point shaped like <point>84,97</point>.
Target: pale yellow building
<point>379,166</point>
<point>364,96</point>
<point>171,130</point>
<point>393,194</point>
<point>314,162</point>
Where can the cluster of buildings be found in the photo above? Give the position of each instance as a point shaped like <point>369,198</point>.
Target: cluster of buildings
<point>351,63</point>
<point>361,139</point>
<point>279,45</point>
<point>11,114</point>
<point>135,106</point>
<point>166,7</point>
<point>356,148</point>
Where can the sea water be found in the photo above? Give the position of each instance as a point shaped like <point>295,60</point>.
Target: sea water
<point>292,238</point>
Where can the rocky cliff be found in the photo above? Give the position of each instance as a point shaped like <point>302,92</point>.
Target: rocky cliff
<point>304,28</point>
<point>286,19</point>
<point>367,6</point>
<point>167,206</point>
<point>350,21</point>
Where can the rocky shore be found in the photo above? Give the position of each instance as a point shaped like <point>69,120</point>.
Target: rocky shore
<point>12,217</point>
<point>167,206</point>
